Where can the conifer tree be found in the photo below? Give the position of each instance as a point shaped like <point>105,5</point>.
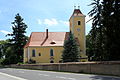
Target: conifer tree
<point>1,46</point>
<point>105,29</point>
<point>111,21</point>
<point>18,37</point>
<point>71,52</point>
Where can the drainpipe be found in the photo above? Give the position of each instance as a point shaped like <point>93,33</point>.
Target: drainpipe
<point>28,54</point>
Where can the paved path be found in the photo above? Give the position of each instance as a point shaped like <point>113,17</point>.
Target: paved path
<point>23,74</point>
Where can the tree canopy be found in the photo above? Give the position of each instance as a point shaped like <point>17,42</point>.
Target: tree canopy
<point>18,36</point>
<point>105,29</point>
<point>13,48</point>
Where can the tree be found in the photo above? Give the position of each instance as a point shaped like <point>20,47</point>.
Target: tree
<point>89,48</point>
<point>6,50</point>
<point>18,37</point>
<point>1,54</point>
<point>96,32</point>
<point>111,21</point>
<point>71,52</point>
<point>3,47</point>
<point>105,29</point>
<point>10,57</point>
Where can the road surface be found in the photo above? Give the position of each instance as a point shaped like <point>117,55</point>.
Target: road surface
<point>23,74</point>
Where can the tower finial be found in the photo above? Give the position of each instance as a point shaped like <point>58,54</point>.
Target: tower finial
<point>74,6</point>
<point>78,6</point>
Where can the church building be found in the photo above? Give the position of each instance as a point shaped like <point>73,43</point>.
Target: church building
<point>47,47</point>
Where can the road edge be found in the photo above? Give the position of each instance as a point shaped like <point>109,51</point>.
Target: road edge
<point>18,78</point>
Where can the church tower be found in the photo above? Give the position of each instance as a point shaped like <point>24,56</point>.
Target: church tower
<point>77,27</point>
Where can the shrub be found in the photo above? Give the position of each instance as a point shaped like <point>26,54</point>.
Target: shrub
<point>31,61</point>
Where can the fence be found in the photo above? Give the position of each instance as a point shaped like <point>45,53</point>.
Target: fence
<point>106,67</point>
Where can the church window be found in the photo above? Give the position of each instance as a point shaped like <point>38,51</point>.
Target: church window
<point>51,61</point>
<point>33,53</point>
<point>39,54</point>
<point>79,22</point>
<point>51,52</point>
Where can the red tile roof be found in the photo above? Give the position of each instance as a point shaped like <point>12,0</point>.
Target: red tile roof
<point>77,12</point>
<point>40,39</point>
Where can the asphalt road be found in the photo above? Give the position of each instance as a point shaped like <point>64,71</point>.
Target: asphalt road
<point>23,74</point>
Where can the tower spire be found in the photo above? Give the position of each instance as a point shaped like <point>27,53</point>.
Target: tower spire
<point>78,7</point>
<point>74,6</point>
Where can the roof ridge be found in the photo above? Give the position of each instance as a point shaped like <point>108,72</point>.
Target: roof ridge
<point>49,32</point>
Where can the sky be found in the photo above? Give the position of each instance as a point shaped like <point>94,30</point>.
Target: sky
<point>41,14</point>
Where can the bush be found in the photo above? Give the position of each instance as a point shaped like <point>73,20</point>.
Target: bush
<point>31,61</point>
<point>10,60</point>
<point>19,63</point>
<point>5,62</point>
<point>1,60</point>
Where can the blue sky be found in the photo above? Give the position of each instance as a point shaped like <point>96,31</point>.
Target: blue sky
<point>41,14</point>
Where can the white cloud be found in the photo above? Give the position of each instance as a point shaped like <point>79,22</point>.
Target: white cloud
<point>5,32</point>
<point>1,39</point>
<point>64,22</point>
<point>50,22</point>
<point>39,21</point>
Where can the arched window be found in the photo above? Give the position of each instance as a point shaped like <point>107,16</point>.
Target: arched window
<point>39,54</point>
<point>33,53</point>
<point>51,61</point>
<point>51,52</point>
<point>79,22</point>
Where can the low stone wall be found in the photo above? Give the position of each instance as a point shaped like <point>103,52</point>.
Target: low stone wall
<point>107,68</point>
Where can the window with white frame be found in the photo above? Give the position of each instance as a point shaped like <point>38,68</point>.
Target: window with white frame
<point>33,53</point>
<point>51,52</point>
